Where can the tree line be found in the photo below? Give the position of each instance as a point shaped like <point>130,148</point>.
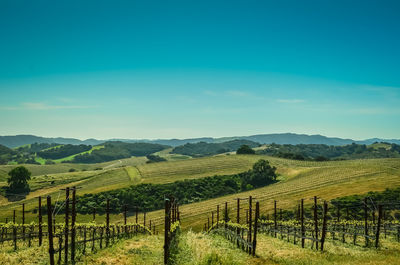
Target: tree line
<point>322,152</point>
<point>148,197</point>
<point>207,149</point>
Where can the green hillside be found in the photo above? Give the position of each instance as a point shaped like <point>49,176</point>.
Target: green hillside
<point>298,179</point>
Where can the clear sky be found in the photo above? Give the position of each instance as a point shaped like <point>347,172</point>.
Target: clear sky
<point>180,69</point>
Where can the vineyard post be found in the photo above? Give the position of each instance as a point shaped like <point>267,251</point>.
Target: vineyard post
<point>238,211</point>
<point>212,218</point>
<point>73,228</point>
<point>316,221</point>
<point>50,230</point>
<point>378,228</point>
<point>137,213</point>
<point>275,224</point>
<point>217,215</point>
<point>247,216</point>
<point>14,232</point>
<point>250,217</point>
<point>324,226</point>
<point>179,214</point>
<point>40,221</point>
<point>280,215</point>
<point>302,223</point>
<point>298,212</point>
<point>66,223</point>
<point>23,221</point>
<point>238,219</point>
<point>338,213</point>
<point>144,219</point>
<point>208,223</point>
<point>366,222</point>
<point>108,222</point>
<point>257,215</point>
<point>226,215</point>
<point>94,213</point>
<point>150,226</point>
<point>373,216</point>
<point>125,206</point>
<point>166,230</point>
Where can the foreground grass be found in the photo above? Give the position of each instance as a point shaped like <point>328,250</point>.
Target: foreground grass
<point>140,250</point>
<point>277,251</point>
<point>200,248</point>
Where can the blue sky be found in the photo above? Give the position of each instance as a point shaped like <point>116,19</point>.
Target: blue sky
<point>178,69</point>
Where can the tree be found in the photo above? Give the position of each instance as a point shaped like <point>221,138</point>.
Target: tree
<point>18,180</point>
<point>262,173</point>
<point>245,149</point>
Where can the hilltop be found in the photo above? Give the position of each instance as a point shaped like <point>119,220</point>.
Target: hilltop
<point>279,138</point>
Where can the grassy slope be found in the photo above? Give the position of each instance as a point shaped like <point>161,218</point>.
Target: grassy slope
<point>68,158</point>
<point>114,177</point>
<point>299,179</point>
<point>327,180</point>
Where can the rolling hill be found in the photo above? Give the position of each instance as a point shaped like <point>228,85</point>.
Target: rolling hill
<point>279,138</point>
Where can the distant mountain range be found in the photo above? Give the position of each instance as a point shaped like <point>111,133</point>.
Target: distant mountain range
<point>280,138</point>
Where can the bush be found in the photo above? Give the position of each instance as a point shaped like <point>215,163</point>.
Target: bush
<point>245,149</point>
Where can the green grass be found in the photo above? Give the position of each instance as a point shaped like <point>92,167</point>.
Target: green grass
<point>380,145</point>
<point>298,179</point>
<point>166,153</point>
<point>69,158</point>
<point>276,251</point>
<point>40,160</point>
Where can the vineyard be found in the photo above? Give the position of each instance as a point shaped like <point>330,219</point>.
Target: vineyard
<point>303,227</point>
<point>297,215</point>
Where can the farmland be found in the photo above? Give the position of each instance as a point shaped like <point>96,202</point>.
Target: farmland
<point>297,180</point>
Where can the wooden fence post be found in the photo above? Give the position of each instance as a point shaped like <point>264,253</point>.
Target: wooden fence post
<point>40,221</point>
<point>366,222</point>
<point>257,215</point>
<point>125,209</point>
<point>238,211</point>
<point>226,215</point>
<point>50,230</point>
<point>298,213</point>
<point>316,221</point>
<point>302,223</point>
<point>275,224</point>
<point>108,222</point>
<point>73,228</point>
<point>324,226</point>
<point>250,217</point>
<point>66,225</point>
<point>238,220</point>
<point>212,219</point>
<point>14,232</point>
<point>217,216</point>
<point>23,221</point>
<point>378,228</point>
<point>166,230</point>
